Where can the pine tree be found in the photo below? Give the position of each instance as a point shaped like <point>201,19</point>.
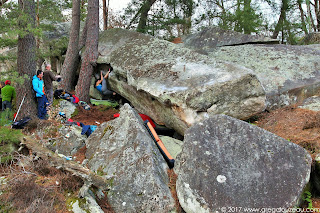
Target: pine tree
<point>90,55</point>
<point>26,61</point>
<point>72,57</point>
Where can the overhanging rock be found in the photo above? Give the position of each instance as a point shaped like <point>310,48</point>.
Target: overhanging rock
<point>177,86</point>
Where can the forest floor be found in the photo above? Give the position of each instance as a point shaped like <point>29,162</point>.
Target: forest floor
<point>300,126</point>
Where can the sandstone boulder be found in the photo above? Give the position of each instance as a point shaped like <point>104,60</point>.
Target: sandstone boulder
<point>312,103</point>
<point>70,141</point>
<point>176,86</point>
<point>288,73</point>
<point>173,145</point>
<point>226,162</point>
<point>124,149</point>
<point>211,37</point>
<point>66,107</point>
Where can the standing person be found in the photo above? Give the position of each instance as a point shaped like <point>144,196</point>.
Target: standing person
<point>38,87</point>
<point>2,84</point>
<point>8,93</point>
<point>48,77</point>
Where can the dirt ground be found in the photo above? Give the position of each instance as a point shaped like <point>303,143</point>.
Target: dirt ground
<point>300,126</point>
<point>95,116</point>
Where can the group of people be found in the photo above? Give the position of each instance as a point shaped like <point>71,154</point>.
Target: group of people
<point>42,85</point>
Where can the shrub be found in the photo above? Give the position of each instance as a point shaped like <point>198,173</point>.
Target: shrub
<point>9,143</point>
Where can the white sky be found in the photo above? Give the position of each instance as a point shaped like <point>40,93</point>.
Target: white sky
<point>118,5</point>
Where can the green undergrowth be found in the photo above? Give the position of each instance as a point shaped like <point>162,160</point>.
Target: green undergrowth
<point>9,143</point>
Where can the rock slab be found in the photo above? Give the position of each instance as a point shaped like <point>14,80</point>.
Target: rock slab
<point>226,162</point>
<point>124,149</point>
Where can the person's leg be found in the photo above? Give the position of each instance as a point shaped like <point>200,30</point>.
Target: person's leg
<point>104,89</point>
<point>6,105</point>
<point>46,106</point>
<point>49,94</point>
<point>104,85</point>
<point>3,105</point>
<point>41,107</point>
<point>9,105</point>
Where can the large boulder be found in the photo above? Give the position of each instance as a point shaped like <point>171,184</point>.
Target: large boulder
<point>211,37</point>
<point>124,149</point>
<point>226,162</point>
<point>70,141</point>
<point>176,86</point>
<point>288,73</point>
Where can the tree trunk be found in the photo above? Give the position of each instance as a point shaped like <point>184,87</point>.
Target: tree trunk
<point>90,55</point>
<point>303,22</point>
<point>70,63</point>
<point>247,10</point>
<point>26,62</point>
<point>83,36</point>
<point>38,41</point>
<point>317,12</point>
<point>188,11</point>
<point>310,16</point>
<point>2,2</point>
<point>144,15</point>
<point>104,12</point>
<point>282,19</point>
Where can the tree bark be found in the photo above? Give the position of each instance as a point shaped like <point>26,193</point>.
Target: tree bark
<point>104,12</point>
<point>303,22</point>
<point>247,9</point>
<point>90,55</point>
<point>310,16</point>
<point>282,19</point>
<point>26,62</point>
<point>70,63</point>
<point>144,15</point>
<point>2,2</point>
<point>317,12</point>
<point>83,36</point>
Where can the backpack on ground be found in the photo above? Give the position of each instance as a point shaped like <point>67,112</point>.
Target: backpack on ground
<point>21,123</point>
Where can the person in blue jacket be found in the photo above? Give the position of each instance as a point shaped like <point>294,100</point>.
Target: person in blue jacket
<point>101,85</point>
<point>38,87</point>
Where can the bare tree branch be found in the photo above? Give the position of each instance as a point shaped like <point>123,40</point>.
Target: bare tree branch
<point>56,161</point>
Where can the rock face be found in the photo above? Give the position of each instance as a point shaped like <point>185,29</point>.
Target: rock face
<point>289,74</point>
<point>176,86</point>
<point>173,145</point>
<point>226,162</point>
<point>312,103</point>
<point>123,148</point>
<point>211,37</point>
<point>71,140</point>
